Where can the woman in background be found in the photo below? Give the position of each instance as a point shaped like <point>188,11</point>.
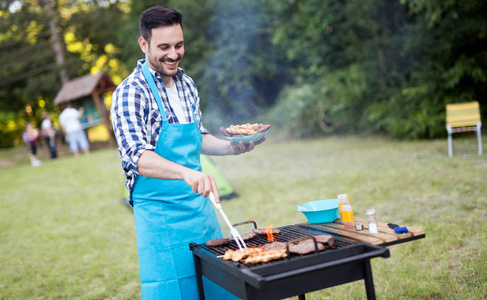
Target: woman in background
<point>30,137</point>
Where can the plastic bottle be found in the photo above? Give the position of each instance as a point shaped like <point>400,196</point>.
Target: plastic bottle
<point>371,221</point>
<point>342,199</point>
<point>347,216</point>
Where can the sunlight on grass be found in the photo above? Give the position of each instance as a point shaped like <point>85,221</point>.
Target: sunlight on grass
<point>66,234</point>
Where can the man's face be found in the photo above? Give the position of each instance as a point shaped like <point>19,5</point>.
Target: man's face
<point>165,50</point>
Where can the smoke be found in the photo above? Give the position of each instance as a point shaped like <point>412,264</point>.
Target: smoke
<point>230,72</point>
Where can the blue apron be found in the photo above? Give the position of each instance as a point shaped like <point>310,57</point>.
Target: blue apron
<point>168,216</point>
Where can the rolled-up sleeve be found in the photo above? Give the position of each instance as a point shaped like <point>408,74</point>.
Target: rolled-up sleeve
<point>129,114</point>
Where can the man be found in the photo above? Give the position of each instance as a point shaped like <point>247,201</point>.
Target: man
<point>49,134</point>
<point>157,123</point>
<point>72,129</point>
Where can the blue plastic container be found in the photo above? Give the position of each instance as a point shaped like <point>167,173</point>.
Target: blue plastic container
<point>320,211</point>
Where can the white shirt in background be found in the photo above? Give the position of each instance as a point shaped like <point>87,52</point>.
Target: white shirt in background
<point>46,124</point>
<point>69,120</point>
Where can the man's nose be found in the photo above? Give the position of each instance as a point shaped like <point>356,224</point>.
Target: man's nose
<point>173,54</point>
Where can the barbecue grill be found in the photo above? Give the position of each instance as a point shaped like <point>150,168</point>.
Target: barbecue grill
<point>292,275</point>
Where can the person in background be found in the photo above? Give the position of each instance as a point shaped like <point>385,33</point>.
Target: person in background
<point>72,129</point>
<point>49,134</point>
<point>30,137</point>
<point>158,126</point>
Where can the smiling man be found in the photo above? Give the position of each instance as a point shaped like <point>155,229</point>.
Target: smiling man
<point>164,51</point>
<point>158,126</point>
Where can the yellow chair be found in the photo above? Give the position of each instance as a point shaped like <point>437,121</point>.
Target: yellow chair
<point>462,117</point>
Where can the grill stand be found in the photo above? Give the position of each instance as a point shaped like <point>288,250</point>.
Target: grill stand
<point>289,283</point>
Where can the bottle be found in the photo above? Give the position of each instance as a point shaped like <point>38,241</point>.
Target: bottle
<point>347,216</point>
<point>342,199</point>
<point>371,221</point>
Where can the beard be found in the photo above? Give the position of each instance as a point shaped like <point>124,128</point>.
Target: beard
<point>159,66</point>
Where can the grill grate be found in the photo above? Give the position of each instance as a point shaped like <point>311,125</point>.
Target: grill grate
<point>287,234</point>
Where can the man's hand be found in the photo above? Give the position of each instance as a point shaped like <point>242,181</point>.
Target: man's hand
<point>153,165</point>
<point>242,148</point>
<point>202,183</point>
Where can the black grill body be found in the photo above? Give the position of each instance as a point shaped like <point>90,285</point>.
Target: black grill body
<point>290,276</point>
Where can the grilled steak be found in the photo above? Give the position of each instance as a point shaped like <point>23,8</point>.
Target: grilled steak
<point>217,242</point>
<point>305,247</point>
<point>246,236</point>
<point>326,240</point>
<point>262,231</point>
<point>275,246</point>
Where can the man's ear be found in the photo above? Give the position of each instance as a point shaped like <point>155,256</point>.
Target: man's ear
<point>143,44</point>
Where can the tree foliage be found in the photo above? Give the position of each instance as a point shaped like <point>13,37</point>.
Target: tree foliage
<point>383,66</point>
<point>316,67</point>
<point>30,73</point>
<point>23,75</point>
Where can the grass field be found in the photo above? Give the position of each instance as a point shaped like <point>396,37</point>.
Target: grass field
<point>65,234</point>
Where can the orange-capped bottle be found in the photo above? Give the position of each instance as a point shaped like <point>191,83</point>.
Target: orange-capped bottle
<point>347,216</point>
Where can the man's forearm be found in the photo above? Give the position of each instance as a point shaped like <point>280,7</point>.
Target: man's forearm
<point>153,165</point>
<point>215,146</point>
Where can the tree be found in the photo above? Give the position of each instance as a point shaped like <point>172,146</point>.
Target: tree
<point>380,66</point>
<point>29,71</point>
<point>34,58</point>
<point>25,32</point>
<point>345,58</point>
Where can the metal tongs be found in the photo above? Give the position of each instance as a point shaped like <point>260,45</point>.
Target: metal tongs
<point>238,238</point>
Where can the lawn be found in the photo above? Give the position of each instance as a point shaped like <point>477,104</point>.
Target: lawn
<point>65,233</point>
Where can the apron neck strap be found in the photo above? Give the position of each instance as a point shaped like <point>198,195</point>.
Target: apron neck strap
<point>152,84</point>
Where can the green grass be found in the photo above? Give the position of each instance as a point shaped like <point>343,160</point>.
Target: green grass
<point>65,234</point>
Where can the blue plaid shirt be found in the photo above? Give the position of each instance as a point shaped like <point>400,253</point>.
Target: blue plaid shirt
<point>137,120</point>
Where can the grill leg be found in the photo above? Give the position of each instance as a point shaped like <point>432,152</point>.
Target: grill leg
<point>199,277</point>
<point>369,281</point>
<point>302,297</point>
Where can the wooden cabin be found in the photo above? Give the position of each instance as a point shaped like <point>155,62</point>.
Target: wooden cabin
<point>88,91</point>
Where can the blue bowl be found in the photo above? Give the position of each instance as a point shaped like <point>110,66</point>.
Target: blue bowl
<point>320,211</point>
<point>247,138</point>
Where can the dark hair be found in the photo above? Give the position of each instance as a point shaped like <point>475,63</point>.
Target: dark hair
<point>158,16</point>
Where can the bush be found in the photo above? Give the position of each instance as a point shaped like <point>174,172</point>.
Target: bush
<point>331,104</point>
